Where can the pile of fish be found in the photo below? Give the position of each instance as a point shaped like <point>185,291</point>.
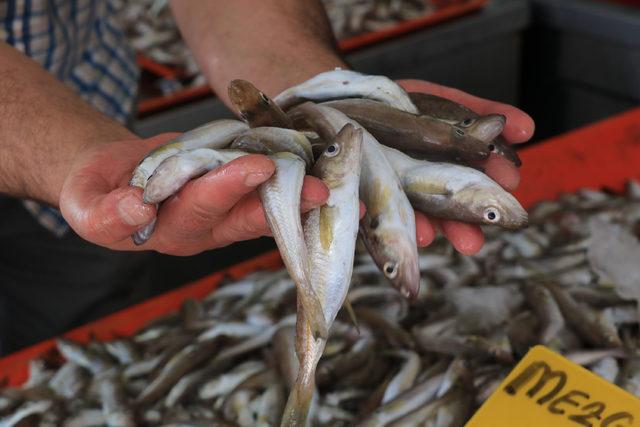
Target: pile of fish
<point>569,282</point>
<point>351,131</point>
<point>153,32</point>
<point>350,18</point>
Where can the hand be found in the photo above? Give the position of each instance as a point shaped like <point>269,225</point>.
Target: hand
<point>468,238</point>
<point>212,211</point>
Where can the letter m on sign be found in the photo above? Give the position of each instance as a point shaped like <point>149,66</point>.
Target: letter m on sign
<point>547,375</point>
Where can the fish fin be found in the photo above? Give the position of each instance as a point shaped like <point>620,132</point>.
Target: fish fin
<point>427,187</point>
<point>144,234</point>
<point>314,314</point>
<point>352,314</point>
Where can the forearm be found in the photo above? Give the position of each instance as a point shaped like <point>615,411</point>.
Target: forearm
<point>272,43</point>
<point>44,125</point>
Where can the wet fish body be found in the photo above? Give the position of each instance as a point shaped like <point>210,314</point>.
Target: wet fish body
<point>425,136</point>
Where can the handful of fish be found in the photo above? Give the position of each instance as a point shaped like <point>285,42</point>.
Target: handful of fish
<point>340,126</point>
<point>569,281</point>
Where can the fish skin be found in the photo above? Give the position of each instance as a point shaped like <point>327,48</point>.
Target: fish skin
<point>216,134</point>
<point>405,403</point>
<point>185,360</point>
<point>388,227</point>
<point>256,108</point>
<point>176,170</point>
<point>280,197</point>
<point>544,305</point>
<point>456,192</point>
<point>405,378</point>
<point>340,83</point>
<point>80,355</point>
<point>583,320</point>
<point>115,409</point>
<point>330,232</point>
<point>452,112</point>
<point>271,140</point>
<point>422,136</point>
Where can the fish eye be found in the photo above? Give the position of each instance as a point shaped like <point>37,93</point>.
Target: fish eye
<point>390,269</point>
<point>332,150</point>
<point>264,99</point>
<point>467,122</point>
<point>492,215</point>
<point>459,132</point>
<point>492,147</point>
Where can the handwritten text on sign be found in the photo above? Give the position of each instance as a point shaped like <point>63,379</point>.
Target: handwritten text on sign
<point>546,389</point>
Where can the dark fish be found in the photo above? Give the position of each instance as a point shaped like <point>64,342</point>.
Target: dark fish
<point>452,112</point>
<point>424,136</point>
<point>256,108</point>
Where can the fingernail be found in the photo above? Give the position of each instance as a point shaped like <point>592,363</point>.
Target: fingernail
<point>133,212</point>
<point>256,178</point>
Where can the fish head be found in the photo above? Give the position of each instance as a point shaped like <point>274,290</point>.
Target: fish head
<point>394,254</point>
<point>246,97</point>
<point>485,128</point>
<point>469,148</point>
<point>502,148</point>
<point>492,205</point>
<point>340,156</point>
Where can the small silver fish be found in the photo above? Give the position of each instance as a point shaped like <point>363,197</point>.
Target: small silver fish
<point>330,232</point>
<point>340,83</point>
<point>456,192</point>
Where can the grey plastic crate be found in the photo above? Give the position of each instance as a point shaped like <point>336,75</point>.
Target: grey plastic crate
<point>582,62</point>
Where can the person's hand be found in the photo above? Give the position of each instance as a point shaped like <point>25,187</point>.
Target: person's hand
<point>468,238</point>
<point>212,211</point>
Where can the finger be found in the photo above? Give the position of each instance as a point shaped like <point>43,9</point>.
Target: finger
<point>314,193</point>
<point>363,210</point>
<point>101,216</point>
<point>503,171</point>
<point>425,230</point>
<point>204,201</point>
<point>466,238</point>
<point>245,221</point>
<point>519,127</point>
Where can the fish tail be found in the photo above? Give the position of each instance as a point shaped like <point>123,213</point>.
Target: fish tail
<point>297,409</point>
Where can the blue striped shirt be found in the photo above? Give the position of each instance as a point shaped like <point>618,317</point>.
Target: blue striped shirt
<point>81,43</point>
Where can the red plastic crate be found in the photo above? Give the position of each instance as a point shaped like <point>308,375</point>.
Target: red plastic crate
<point>602,155</point>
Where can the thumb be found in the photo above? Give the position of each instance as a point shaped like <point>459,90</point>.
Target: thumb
<point>101,216</point>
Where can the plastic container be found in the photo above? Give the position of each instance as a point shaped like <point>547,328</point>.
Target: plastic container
<point>582,62</point>
<point>602,155</point>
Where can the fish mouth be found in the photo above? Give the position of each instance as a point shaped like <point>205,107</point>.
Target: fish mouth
<point>408,280</point>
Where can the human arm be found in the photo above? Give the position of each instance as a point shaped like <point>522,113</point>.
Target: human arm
<point>57,149</point>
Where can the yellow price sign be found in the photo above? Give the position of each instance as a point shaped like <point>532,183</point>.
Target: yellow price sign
<point>547,390</point>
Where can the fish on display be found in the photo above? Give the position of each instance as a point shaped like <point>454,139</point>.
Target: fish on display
<point>481,127</point>
<point>420,135</point>
<point>271,140</point>
<point>340,83</point>
<point>330,232</point>
<point>229,359</point>
<point>256,108</point>
<point>388,228</point>
<point>457,192</point>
